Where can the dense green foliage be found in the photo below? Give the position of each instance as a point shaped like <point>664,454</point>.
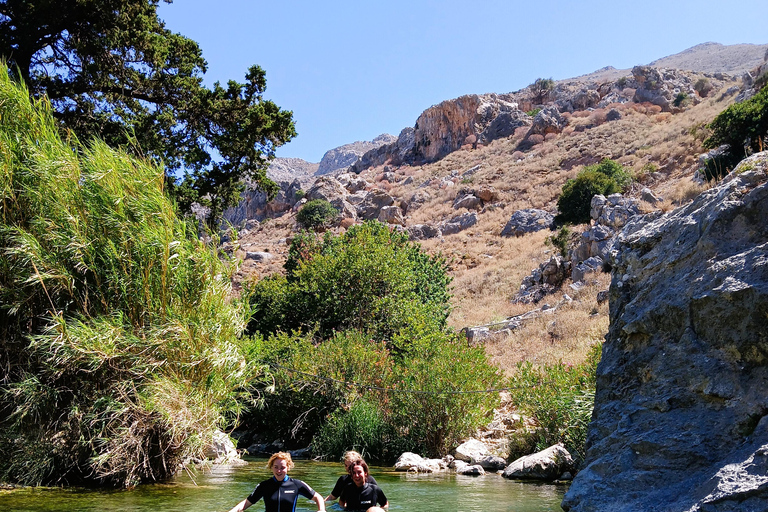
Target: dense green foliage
<point>111,69</point>
<point>317,214</point>
<point>743,127</point>
<point>398,401</point>
<point>370,278</point>
<point>119,347</point>
<point>607,177</point>
<point>367,307</point>
<point>559,398</point>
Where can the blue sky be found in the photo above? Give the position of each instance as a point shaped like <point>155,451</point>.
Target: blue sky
<point>350,70</point>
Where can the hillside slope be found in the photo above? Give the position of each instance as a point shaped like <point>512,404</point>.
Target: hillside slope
<point>626,119</point>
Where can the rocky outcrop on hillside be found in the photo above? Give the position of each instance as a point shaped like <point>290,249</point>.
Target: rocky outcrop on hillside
<point>681,410</point>
<point>290,174</point>
<point>441,129</point>
<point>344,156</point>
<point>480,119</point>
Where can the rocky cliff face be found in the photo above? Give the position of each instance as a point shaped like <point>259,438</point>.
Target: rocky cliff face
<point>344,156</point>
<point>681,408</point>
<point>446,127</point>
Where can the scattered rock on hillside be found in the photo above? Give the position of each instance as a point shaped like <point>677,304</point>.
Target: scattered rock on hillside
<point>423,232</point>
<point>459,223</point>
<point>374,201</point>
<point>681,413</point>
<point>525,221</point>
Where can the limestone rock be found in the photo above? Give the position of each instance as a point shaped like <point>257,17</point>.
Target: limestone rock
<point>346,155</point>
<point>525,221</point>
<point>681,413</point>
<point>374,201</point>
<point>459,223</point>
<point>423,232</point>
<point>326,188</point>
<point>391,215</point>
<point>471,449</point>
<point>545,465</point>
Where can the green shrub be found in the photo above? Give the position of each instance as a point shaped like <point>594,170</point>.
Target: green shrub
<point>317,214</point>
<point>120,345</point>
<point>361,428</point>
<point>681,100</point>
<point>607,177</point>
<point>370,278</point>
<point>533,112</point>
<point>559,399</point>
<point>436,418</point>
<point>742,127</point>
<point>560,240</point>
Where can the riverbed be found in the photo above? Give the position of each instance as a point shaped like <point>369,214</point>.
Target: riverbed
<point>220,488</point>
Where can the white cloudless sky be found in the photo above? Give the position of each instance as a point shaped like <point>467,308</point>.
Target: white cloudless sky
<point>351,70</point>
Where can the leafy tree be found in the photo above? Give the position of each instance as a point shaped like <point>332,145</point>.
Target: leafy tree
<point>317,214</point>
<point>370,278</point>
<point>607,177</point>
<point>541,88</point>
<point>742,127</point>
<point>111,69</point>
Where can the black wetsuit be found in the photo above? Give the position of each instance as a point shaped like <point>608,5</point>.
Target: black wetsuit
<point>362,498</point>
<point>280,496</point>
<point>343,481</point>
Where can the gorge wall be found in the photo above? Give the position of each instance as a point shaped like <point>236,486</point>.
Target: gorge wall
<point>681,407</point>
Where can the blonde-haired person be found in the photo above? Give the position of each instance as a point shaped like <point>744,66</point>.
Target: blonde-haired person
<point>349,458</point>
<point>281,491</point>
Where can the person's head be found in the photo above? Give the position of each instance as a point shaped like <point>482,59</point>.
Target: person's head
<point>350,457</point>
<point>359,472</point>
<point>280,463</point>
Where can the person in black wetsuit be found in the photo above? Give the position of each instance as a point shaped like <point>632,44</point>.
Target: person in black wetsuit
<point>280,492</point>
<point>361,494</point>
<point>349,458</point>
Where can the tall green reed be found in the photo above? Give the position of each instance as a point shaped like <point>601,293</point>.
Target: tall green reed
<point>120,344</point>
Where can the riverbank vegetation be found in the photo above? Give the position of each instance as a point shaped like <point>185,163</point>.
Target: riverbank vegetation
<point>119,343</point>
<point>370,363</point>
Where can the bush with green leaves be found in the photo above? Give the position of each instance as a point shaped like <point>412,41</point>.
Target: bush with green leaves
<point>317,214</point>
<point>743,128</point>
<point>370,278</point>
<point>607,177</point>
<point>559,399</point>
<point>119,343</point>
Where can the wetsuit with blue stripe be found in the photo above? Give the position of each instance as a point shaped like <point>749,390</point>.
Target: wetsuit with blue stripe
<point>280,496</point>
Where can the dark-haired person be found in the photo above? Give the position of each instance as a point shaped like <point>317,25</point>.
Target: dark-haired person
<point>349,458</point>
<point>361,494</point>
<point>280,492</point>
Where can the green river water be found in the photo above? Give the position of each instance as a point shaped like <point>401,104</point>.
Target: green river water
<point>219,489</point>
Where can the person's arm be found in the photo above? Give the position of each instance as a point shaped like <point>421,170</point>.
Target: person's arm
<point>320,502</point>
<point>242,506</point>
<point>336,492</point>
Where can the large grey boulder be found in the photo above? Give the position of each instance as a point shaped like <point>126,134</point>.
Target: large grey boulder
<point>458,223</point>
<point>374,201</point>
<point>528,220</point>
<point>545,465</point>
<point>681,406</point>
<point>471,449</point>
<point>326,188</point>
